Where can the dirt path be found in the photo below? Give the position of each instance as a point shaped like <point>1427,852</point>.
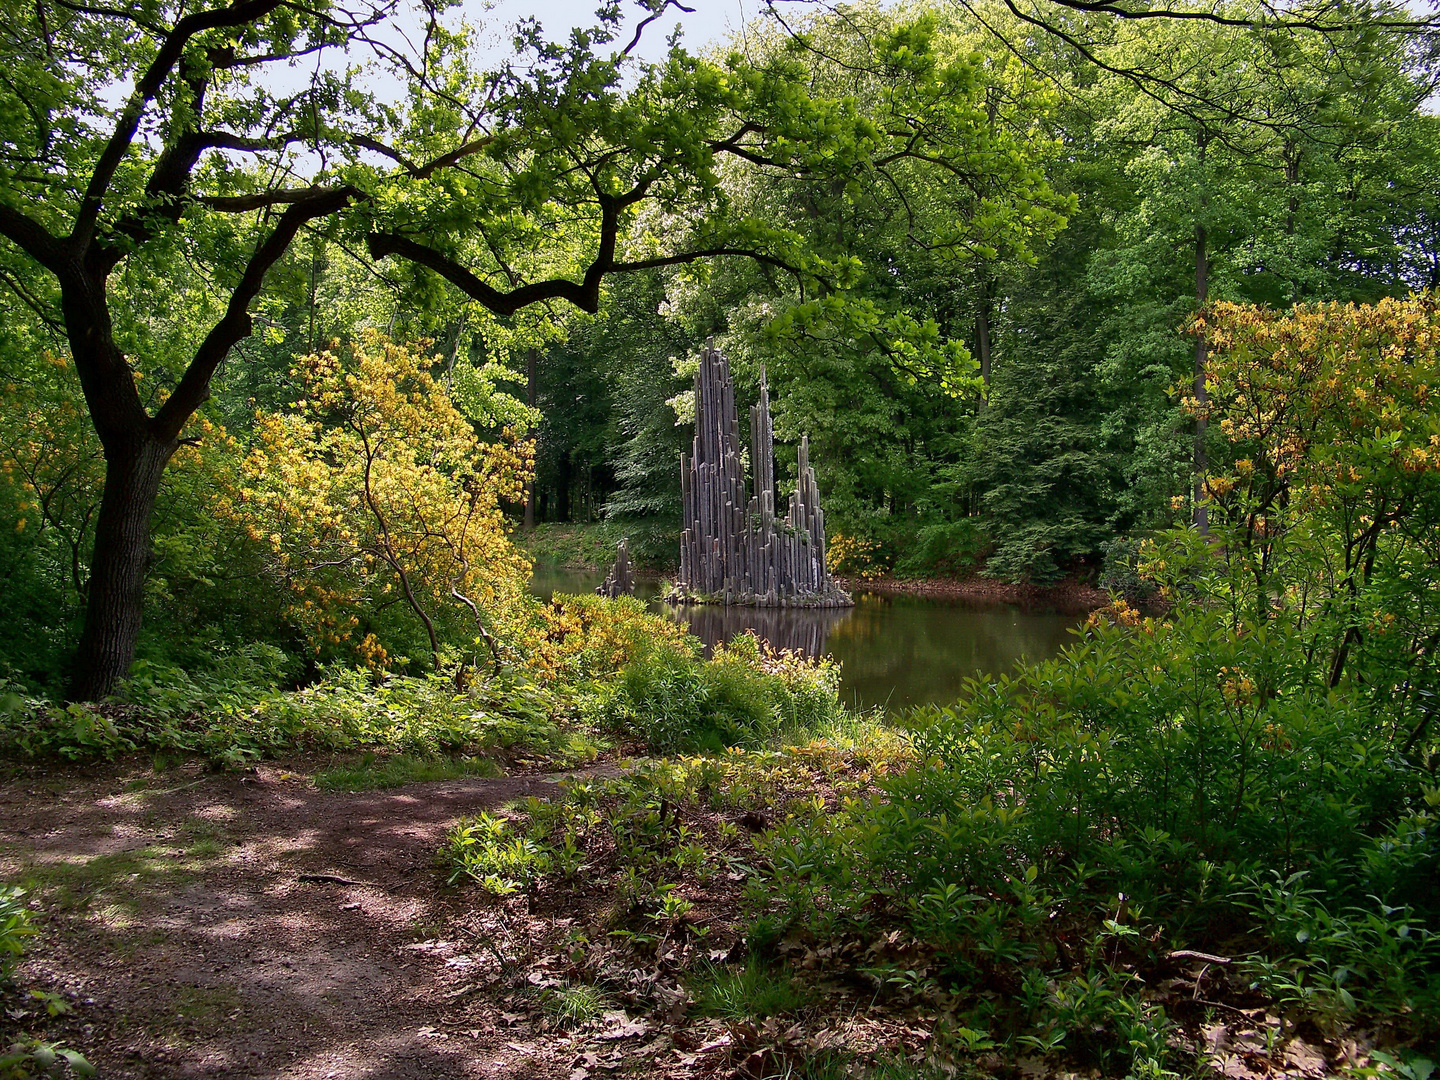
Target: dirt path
<point>196,922</point>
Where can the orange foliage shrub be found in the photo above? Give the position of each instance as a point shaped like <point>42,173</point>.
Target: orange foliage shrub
<point>1328,396</point>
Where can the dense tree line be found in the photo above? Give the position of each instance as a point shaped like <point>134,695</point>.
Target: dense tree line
<point>965,248</point>
<point>1250,167</point>
<point>147,230</point>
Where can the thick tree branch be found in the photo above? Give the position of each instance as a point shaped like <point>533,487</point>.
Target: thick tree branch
<point>259,200</point>
<point>381,245</point>
<point>32,238</point>
<point>148,86</point>
<point>169,179</point>
<point>584,294</point>
<point>194,385</point>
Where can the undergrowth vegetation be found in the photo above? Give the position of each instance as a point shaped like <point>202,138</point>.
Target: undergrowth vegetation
<point>1071,838</point>
<point>235,722</point>
<point>23,1053</point>
<point>587,671</point>
<point>1096,863</point>
<point>746,695</point>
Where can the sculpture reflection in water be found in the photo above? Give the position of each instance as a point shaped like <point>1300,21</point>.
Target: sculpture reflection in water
<point>803,630</point>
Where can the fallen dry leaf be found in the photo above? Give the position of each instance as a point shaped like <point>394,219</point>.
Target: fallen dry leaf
<point>618,1025</point>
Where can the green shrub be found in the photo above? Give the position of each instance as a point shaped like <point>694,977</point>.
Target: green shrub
<point>484,849</point>
<point>674,700</point>
<point>1154,787</point>
<point>232,719</point>
<point>27,1056</point>
<point>15,929</point>
<point>947,548</point>
<point>30,1059</point>
<point>574,638</point>
<point>1120,572</point>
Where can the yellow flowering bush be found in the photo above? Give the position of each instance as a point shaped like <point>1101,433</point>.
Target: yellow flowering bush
<point>854,556</point>
<point>380,508</point>
<point>1325,499</point>
<point>587,637</point>
<point>1339,392</point>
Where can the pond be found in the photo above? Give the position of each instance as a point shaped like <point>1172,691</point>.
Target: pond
<point>894,651</point>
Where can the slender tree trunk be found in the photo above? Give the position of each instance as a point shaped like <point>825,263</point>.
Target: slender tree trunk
<point>982,338</point>
<point>562,488</point>
<point>1292,180</point>
<point>116,593</point>
<point>530,400</point>
<point>1202,294</point>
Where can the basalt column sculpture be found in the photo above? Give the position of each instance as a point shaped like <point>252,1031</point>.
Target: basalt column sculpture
<point>734,549</point>
<point>621,580</point>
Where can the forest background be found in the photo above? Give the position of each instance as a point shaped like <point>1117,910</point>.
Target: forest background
<point>987,349</point>
<point>289,366</point>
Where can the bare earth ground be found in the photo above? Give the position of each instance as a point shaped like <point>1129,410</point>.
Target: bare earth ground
<point>251,925</point>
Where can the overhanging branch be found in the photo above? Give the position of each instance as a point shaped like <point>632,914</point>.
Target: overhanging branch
<point>148,86</point>
<point>194,385</point>
<point>32,238</point>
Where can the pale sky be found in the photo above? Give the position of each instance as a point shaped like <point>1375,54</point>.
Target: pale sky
<point>712,21</point>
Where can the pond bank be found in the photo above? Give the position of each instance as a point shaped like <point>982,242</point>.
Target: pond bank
<point>895,650</point>
<point>1069,596</point>
<point>591,548</point>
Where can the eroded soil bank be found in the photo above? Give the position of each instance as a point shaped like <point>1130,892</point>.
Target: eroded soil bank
<point>1069,596</point>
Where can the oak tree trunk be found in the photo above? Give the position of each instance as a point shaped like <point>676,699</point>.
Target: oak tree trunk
<point>137,448</point>
<point>115,597</point>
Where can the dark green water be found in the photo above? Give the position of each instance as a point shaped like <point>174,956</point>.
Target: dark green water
<point>894,651</point>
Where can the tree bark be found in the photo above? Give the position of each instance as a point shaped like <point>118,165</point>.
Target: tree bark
<point>135,459</point>
<point>116,593</point>
<point>1292,180</point>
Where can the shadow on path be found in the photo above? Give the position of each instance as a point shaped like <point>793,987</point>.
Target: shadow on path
<point>253,926</point>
